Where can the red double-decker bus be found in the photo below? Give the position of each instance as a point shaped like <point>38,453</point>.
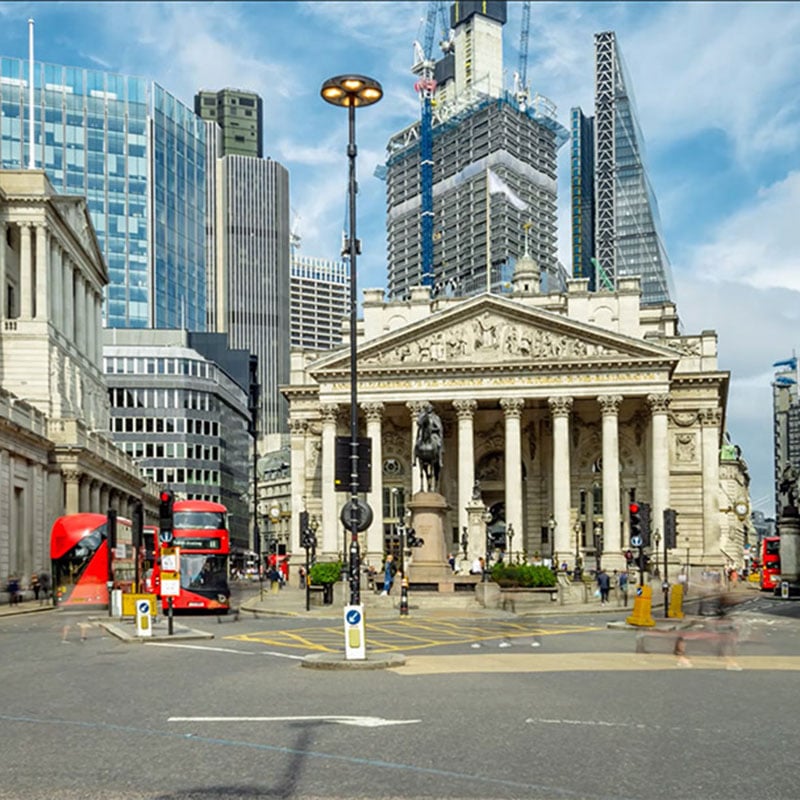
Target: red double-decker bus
<point>81,562</point>
<point>200,531</point>
<point>770,569</point>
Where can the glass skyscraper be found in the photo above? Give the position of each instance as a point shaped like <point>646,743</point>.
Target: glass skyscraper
<point>138,155</point>
<point>626,238</point>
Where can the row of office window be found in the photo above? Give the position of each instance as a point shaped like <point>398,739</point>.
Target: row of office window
<point>127,365</point>
<point>173,475</point>
<point>199,427</point>
<point>180,450</point>
<point>163,398</point>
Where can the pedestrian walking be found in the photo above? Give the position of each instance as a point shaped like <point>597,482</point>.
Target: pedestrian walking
<point>604,584</point>
<point>44,586</point>
<point>623,587</point>
<point>389,571</point>
<point>12,587</point>
<point>35,586</point>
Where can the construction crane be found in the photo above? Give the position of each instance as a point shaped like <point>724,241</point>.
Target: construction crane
<point>521,88</point>
<point>423,68</point>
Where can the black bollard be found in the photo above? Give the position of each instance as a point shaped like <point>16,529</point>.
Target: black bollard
<point>404,597</point>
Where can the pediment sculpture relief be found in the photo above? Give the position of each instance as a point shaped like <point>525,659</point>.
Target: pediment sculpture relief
<point>488,338</point>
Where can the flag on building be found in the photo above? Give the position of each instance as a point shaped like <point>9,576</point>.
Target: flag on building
<point>789,362</point>
<point>498,186</point>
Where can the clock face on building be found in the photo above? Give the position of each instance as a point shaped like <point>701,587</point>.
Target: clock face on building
<point>741,509</point>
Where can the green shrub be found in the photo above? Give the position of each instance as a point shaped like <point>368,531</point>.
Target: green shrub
<point>522,576</point>
<point>328,572</point>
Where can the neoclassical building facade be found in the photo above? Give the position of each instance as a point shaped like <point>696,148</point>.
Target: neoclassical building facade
<point>56,456</point>
<point>558,411</point>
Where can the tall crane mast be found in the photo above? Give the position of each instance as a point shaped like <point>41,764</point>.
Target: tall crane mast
<point>521,88</point>
<point>424,64</point>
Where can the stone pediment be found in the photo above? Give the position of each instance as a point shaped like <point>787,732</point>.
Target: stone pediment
<point>497,332</point>
<point>75,214</point>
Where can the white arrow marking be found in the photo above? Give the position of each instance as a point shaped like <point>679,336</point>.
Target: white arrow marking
<point>362,722</point>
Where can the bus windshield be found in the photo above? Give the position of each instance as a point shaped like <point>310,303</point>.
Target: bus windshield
<point>204,570</point>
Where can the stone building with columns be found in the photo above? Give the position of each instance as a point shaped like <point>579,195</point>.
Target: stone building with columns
<point>558,410</point>
<point>56,456</point>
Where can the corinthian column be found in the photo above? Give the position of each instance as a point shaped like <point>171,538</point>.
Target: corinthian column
<point>297,444</point>
<point>42,273</point>
<point>659,407</point>
<point>25,273</point>
<point>560,408</point>
<point>710,420</point>
<point>465,409</point>
<point>374,415</point>
<point>331,542</point>
<point>512,407</point>
<point>612,534</point>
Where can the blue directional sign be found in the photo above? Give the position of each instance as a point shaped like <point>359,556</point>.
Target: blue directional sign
<point>636,541</point>
<point>165,537</point>
<point>353,616</point>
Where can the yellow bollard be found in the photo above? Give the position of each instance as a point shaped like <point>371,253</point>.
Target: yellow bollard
<point>676,602</point>
<point>642,602</point>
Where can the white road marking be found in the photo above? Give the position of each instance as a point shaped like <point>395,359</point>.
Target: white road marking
<point>362,722</point>
<point>200,647</point>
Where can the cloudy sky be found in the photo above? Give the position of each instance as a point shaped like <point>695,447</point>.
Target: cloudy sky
<point>716,86</point>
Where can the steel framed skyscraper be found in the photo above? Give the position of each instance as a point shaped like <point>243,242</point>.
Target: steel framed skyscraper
<point>627,238</point>
<point>138,155</point>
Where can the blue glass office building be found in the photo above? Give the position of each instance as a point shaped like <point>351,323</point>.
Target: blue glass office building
<point>138,155</point>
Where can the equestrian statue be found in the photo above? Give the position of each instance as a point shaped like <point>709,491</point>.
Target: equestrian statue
<point>429,447</point>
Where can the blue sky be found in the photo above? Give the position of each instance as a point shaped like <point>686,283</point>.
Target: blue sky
<point>716,86</point>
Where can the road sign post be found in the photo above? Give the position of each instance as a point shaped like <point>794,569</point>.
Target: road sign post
<point>354,644</point>
<point>143,626</point>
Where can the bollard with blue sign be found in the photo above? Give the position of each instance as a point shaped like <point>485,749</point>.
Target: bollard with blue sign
<point>143,626</point>
<point>354,645</point>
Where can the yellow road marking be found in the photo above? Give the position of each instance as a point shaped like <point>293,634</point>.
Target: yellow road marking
<point>582,662</point>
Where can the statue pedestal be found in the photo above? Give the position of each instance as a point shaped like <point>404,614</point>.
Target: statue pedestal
<point>428,510</point>
<point>789,530</point>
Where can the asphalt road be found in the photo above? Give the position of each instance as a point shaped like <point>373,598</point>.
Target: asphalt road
<point>564,709</point>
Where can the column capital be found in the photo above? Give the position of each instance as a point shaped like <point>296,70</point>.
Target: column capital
<point>512,406</point>
<point>415,406</point>
<point>610,403</point>
<point>465,408</point>
<point>71,474</point>
<point>373,411</point>
<point>297,427</point>
<point>329,412</point>
<point>659,403</point>
<point>560,406</point>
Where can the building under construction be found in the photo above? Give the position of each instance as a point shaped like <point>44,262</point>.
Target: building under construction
<point>493,169</point>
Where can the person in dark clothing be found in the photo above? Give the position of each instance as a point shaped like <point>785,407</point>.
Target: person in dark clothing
<point>604,584</point>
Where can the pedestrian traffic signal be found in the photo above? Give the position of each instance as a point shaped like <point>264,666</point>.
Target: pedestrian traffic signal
<point>670,528</point>
<point>412,539</point>
<point>628,557</point>
<point>635,524</point>
<point>167,499</point>
<point>644,514</point>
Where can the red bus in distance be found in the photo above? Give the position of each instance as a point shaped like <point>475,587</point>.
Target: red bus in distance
<point>200,531</point>
<point>770,571</point>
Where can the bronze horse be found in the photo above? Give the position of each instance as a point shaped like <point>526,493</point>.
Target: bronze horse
<point>428,448</point>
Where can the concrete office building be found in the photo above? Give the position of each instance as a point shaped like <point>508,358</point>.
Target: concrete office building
<point>320,301</point>
<point>138,156</point>
<point>248,265</point>
<point>179,408</point>
<point>240,118</point>
<point>494,171</point>
<point>618,200</point>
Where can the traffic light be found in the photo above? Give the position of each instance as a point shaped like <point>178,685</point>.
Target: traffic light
<point>670,528</point>
<point>412,539</point>
<point>635,524</point>
<point>644,514</point>
<point>628,557</point>
<point>137,524</point>
<point>167,499</point>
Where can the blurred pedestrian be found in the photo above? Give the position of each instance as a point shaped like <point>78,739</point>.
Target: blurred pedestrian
<point>12,587</point>
<point>622,583</point>
<point>604,585</point>
<point>389,571</point>
<point>35,587</point>
<point>44,585</point>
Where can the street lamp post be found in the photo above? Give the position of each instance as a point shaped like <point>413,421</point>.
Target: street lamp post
<point>351,91</point>
<point>578,568</point>
<point>510,535</point>
<point>598,545</point>
<point>551,529</point>
<point>487,519</point>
